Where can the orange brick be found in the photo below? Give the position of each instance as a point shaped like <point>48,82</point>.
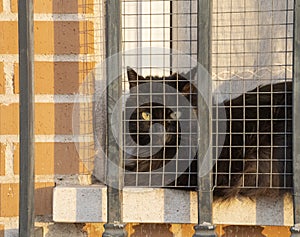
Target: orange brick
<point>59,6</point>
<point>2,227</point>
<point>96,229</point>
<point>2,159</point>
<point>272,231</point>
<point>49,119</point>
<point>53,118</point>
<point>8,37</point>
<point>2,78</point>
<point>57,78</point>
<point>53,158</point>
<point>130,228</point>
<point>219,230</point>
<point>62,37</point>
<point>9,122</point>
<point>9,202</point>
<point>185,229</point>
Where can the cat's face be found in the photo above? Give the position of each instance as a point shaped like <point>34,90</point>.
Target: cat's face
<point>164,119</point>
<point>153,112</point>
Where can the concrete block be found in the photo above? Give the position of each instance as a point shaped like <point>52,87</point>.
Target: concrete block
<point>154,205</point>
<point>77,204</point>
<point>151,205</point>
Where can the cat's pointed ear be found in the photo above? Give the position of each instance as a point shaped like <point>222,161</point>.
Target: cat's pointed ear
<point>190,75</point>
<point>133,77</point>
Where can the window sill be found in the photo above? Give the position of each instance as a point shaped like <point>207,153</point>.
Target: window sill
<point>78,204</point>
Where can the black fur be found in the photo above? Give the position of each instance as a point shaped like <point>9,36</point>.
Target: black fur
<point>257,140</point>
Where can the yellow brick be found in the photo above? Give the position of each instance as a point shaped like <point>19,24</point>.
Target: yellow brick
<point>9,202</point>
<point>57,78</point>
<point>49,119</point>
<point>53,158</point>
<point>53,118</point>
<point>62,37</point>
<point>8,37</point>
<point>59,37</point>
<point>2,159</point>
<point>2,79</point>
<point>59,6</point>
<point>9,122</point>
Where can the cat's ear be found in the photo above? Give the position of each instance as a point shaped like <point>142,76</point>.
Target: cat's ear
<point>190,75</point>
<point>133,77</point>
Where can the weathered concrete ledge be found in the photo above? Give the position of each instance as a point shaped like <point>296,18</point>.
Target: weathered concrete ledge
<point>76,204</point>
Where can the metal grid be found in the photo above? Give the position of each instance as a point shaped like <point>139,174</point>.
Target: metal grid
<point>89,112</point>
<point>252,47</point>
<point>252,50</point>
<point>159,38</point>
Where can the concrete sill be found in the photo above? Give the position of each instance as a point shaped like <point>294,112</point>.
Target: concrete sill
<point>78,204</point>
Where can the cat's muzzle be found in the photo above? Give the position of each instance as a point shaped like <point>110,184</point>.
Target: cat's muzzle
<point>162,134</point>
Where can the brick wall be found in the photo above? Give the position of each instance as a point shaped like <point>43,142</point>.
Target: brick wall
<point>61,64</point>
<point>65,49</point>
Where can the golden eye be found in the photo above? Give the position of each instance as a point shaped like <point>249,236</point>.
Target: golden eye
<point>146,116</point>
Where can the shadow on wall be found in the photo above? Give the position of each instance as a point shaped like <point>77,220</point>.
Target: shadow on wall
<point>52,230</point>
<point>43,199</point>
<point>254,231</point>
<point>9,232</point>
<point>66,41</point>
<point>152,230</point>
<point>71,39</point>
<point>65,230</point>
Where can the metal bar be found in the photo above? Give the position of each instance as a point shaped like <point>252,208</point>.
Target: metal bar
<point>204,226</point>
<point>295,230</point>
<point>114,226</point>
<point>26,203</point>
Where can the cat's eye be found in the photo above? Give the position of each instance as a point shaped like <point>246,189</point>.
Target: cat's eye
<point>146,116</point>
<point>175,115</point>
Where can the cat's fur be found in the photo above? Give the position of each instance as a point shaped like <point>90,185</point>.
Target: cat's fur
<point>257,140</point>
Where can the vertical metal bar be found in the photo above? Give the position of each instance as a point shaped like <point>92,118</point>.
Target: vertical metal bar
<point>296,120</point>
<point>26,203</point>
<point>114,226</point>
<point>204,226</point>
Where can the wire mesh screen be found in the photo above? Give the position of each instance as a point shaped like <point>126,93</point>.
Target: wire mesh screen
<point>159,121</point>
<point>252,68</point>
<point>252,47</point>
<point>89,111</point>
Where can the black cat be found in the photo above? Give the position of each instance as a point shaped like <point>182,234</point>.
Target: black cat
<point>256,156</point>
